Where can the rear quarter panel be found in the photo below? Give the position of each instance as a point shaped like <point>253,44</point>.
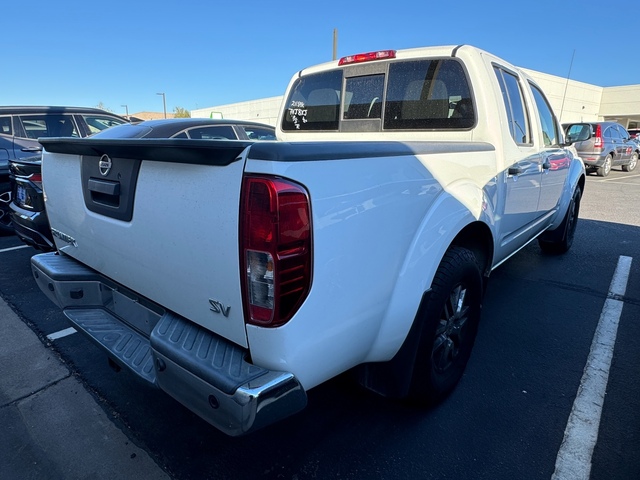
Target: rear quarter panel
<point>380,228</point>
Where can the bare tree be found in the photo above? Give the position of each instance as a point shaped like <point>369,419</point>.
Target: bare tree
<point>101,106</point>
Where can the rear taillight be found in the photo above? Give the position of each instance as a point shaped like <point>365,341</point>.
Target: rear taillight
<point>36,178</point>
<point>597,142</point>
<point>275,249</point>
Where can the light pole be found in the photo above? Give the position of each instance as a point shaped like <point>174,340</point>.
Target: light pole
<point>126,107</point>
<point>164,103</point>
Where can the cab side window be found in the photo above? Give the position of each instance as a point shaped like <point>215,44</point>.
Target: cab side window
<point>517,115</point>
<point>547,119</point>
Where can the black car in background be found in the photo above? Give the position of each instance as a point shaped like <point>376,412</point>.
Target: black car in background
<point>20,183</point>
<point>27,208</point>
<point>195,128</point>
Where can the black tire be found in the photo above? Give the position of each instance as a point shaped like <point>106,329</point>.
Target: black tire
<point>604,170</point>
<point>449,330</point>
<point>630,167</point>
<point>559,241</point>
<point>6,226</point>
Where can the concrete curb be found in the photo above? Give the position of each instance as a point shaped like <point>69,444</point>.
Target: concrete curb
<point>51,426</point>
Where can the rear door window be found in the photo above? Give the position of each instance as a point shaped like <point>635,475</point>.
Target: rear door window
<point>517,116</point>
<point>623,132</point>
<point>547,119</point>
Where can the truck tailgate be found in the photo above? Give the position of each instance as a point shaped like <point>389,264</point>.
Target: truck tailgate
<point>137,220</point>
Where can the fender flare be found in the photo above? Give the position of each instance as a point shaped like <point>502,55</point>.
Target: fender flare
<point>438,230</point>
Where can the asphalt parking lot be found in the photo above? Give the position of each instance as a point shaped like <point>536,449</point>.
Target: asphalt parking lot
<point>71,416</point>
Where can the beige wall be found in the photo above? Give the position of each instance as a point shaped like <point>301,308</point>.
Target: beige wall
<point>621,104</point>
<point>571,101</point>
<point>264,110</point>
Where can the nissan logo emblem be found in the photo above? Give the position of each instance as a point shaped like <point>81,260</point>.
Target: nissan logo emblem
<point>105,165</point>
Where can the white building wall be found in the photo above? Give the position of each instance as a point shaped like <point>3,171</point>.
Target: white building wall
<point>619,103</point>
<point>264,110</point>
<point>572,101</point>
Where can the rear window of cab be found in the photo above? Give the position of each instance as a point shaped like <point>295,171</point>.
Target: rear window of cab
<point>409,95</point>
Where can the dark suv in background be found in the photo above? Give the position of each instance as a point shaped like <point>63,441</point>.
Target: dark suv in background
<point>21,200</point>
<point>607,144</point>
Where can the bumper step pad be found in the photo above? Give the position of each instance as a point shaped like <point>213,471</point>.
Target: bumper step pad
<point>127,347</point>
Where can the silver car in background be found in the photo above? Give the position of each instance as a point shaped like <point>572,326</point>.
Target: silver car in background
<point>603,145</point>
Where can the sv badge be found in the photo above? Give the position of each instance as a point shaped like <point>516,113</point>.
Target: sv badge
<point>219,307</point>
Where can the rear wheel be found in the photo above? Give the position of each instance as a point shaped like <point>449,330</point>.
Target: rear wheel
<point>560,240</point>
<point>604,170</point>
<point>629,167</point>
<point>450,326</point>
<point>6,225</point>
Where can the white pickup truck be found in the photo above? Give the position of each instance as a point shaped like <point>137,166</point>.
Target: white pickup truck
<point>238,275</point>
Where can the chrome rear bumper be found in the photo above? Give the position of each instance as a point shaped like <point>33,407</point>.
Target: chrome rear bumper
<point>203,371</point>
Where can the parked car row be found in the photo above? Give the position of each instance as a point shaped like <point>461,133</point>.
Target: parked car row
<point>20,181</point>
<point>603,145</point>
<point>22,208</point>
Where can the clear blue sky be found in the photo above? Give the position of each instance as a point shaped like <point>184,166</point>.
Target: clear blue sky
<point>203,53</point>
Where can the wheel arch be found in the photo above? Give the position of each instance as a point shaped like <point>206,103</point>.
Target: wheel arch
<point>478,238</point>
<point>392,378</point>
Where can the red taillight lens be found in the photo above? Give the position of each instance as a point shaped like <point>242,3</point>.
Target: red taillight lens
<point>275,249</point>
<point>597,142</point>
<point>367,57</point>
<point>36,178</point>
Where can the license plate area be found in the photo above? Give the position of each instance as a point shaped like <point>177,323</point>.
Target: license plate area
<point>21,196</point>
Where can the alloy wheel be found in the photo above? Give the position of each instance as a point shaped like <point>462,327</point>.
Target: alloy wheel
<point>450,330</point>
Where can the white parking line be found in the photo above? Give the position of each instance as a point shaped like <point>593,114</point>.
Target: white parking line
<point>13,248</point>
<point>614,179</point>
<point>574,457</point>
<point>62,333</point>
